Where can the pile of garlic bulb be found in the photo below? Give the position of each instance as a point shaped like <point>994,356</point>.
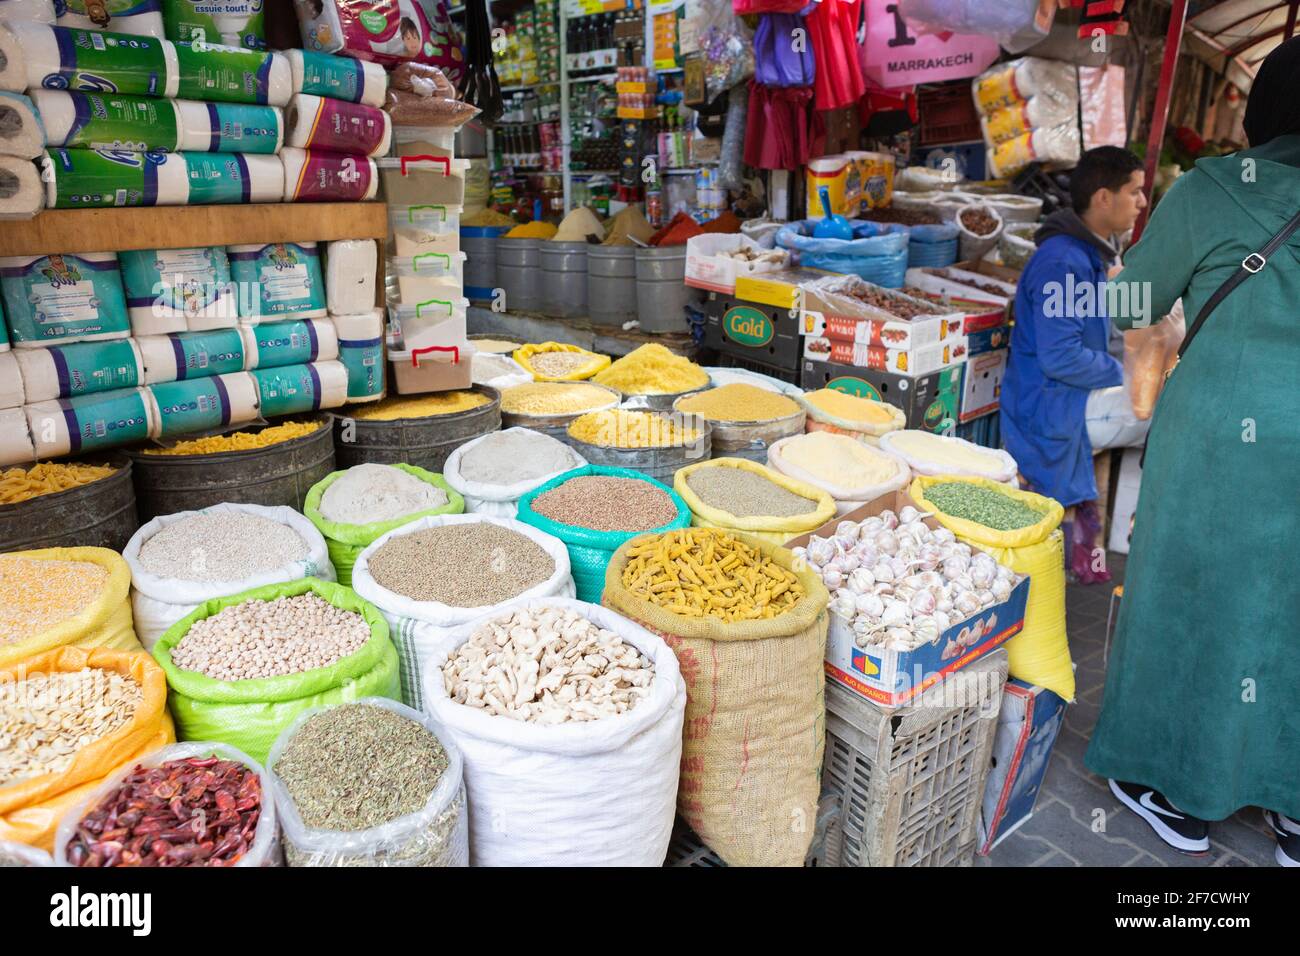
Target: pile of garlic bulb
<point>901,584</point>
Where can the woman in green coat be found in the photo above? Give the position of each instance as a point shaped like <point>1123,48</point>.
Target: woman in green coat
<point>1201,714</point>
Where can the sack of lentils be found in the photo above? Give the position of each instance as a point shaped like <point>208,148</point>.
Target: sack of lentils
<point>182,560</point>
<point>436,573</point>
<point>850,471</point>
<point>370,783</point>
<point>748,626</point>
<point>494,471</point>
<point>595,509</point>
<point>741,495</point>
<point>200,804</point>
<point>569,717</point>
<point>72,716</point>
<point>354,507</point>
<point>240,668</point>
<point>56,597</point>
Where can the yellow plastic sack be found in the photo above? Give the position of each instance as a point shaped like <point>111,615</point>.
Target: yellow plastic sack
<point>771,528</point>
<point>596,363</point>
<point>30,809</point>
<point>105,622</point>
<point>819,420</point>
<point>1039,654</point>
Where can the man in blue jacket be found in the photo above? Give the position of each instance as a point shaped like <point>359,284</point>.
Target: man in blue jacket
<point>1061,383</point>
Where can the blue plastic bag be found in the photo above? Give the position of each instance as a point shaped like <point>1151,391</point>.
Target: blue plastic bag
<point>932,246</point>
<point>877,254</point>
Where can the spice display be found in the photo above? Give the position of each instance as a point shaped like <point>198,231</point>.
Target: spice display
<point>961,499</point>
<point>516,456</point>
<point>607,504</point>
<point>258,639</point>
<point>39,594</point>
<point>198,811</point>
<point>487,217</point>
<point>900,584</point>
<point>560,363</point>
<point>849,407</point>
<point>474,564</point>
<point>532,230</point>
<point>45,719</point>
<point>555,398</point>
<point>907,217</point>
<point>627,225</point>
<point>932,454</point>
<point>851,287</point>
<point>699,572</point>
<point>495,346</point>
<point>547,665</point>
<point>46,478</point>
<point>746,493</point>
<point>239,441</point>
<point>225,546</point>
<point>978,220</point>
<point>370,493</point>
<point>971,283</point>
<point>422,406</point>
<point>617,428</point>
<point>578,225</point>
<point>653,370</point>
<point>839,460</point>
<point>739,402</point>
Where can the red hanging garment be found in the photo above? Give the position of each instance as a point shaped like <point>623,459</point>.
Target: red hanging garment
<point>776,132</point>
<point>833,29</point>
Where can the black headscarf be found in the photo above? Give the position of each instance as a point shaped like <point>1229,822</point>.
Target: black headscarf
<point>1273,108</point>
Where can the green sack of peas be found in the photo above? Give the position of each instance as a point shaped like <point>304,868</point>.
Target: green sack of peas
<point>250,714</point>
<point>346,541</point>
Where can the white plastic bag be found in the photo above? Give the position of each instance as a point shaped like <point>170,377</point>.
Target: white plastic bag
<point>420,628</point>
<point>498,371</point>
<point>846,499</point>
<point>1001,19</point>
<point>929,454</point>
<point>435,835</point>
<point>265,848</point>
<point>596,793</point>
<point>501,501</point>
<point>974,245</point>
<point>158,602</point>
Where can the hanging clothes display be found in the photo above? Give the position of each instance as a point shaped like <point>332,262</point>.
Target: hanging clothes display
<point>777,133</point>
<point>782,54</point>
<point>833,29</point>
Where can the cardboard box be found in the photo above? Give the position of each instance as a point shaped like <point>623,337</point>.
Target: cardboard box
<point>708,268</point>
<point>916,360</point>
<point>930,401</point>
<point>979,314</point>
<point>923,343</point>
<point>753,331</point>
<point>981,384</point>
<point>892,678</point>
<point>782,289</point>
<point>988,340</point>
<point>1028,724</point>
<point>948,281</point>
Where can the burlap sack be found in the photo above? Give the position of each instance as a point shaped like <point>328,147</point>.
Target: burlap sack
<point>755,717</point>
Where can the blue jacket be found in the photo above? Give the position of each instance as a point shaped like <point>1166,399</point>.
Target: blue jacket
<point>1058,355</point>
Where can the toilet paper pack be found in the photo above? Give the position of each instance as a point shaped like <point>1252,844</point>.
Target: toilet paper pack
<point>167,288</point>
<point>233,178</point>
<point>66,58</point>
<point>361,350</point>
<point>185,355</point>
<point>136,17</point>
<point>98,178</point>
<point>22,194</point>
<point>274,344</point>
<point>64,371</point>
<point>338,77</point>
<point>350,270</point>
<point>90,422</point>
<point>21,131</point>
<point>202,404</point>
<point>63,298</point>
<point>15,437</point>
<point>293,389</point>
<point>111,121</point>
<point>318,122</point>
<point>315,176</point>
<point>12,392</point>
<point>30,11</point>
<point>237,23</point>
<point>278,281</point>
<point>208,71</point>
<point>229,128</point>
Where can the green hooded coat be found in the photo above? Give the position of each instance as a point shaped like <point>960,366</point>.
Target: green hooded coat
<point>1202,697</point>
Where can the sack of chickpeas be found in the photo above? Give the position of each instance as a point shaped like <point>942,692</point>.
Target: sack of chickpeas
<point>752,661</point>
<point>569,717</point>
<point>182,560</point>
<point>241,668</point>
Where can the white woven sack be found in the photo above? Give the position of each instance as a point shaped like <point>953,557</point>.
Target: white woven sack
<point>158,602</point>
<point>501,501</point>
<point>420,628</point>
<point>1002,467</point>
<point>846,499</point>
<point>596,793</point>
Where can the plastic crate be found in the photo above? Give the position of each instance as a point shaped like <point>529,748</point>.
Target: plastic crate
<point>727,360</point>
<point>948,114</point>
<point>686,849</point>
<point>911,780</point>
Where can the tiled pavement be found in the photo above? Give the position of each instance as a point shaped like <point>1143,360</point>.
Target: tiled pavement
<point>1060,833</point>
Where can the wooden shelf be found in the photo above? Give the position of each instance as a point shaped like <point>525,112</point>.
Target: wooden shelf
<point>177,227</point>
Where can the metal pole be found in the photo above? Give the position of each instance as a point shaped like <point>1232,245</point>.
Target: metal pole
<point>1290,19</point>
<point>1160,115</point>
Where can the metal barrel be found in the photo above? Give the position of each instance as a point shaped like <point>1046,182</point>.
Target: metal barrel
<point>519,273</point>
<point>564,278</point>
<point>101,514</point>
<point>424,442</point>
<point>611,284</point>
<point>661,290</point>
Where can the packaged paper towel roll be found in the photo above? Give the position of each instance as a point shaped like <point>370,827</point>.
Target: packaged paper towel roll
<point>137,17</point>
<point>31,11</point>
<point>53,299</point>
<point>97,178</point>
<point>21,132</point>
<point>361,350</point>
<point>338,77</point>
<point>15,438</point>
<point>238,23</point>
<point>62,371</point>
<point>90,422</point>
<point>12,392</point>
<point>301,388</point>
<point>350,267</point>
<point>318,122</point>
<point>185,355</point>
<point>202,404</point>
<point>165,288</point>
<point>275,344</point>
<point>227,74</point>
<point>13,63</point>
<point>314,176</point>
<point>229,127</point>
<point>22,195</point>
<point>63,58</point>
<point>278,280</point>
<point>113,121</point>
<point>233,178</point>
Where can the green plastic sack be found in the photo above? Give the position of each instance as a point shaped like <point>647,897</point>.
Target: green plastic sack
<point>590,551</point>
<point>346,541</point>
<point>250,714</point>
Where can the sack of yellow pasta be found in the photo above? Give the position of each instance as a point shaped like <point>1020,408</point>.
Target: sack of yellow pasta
<point>736,494</point>
<point>557,362</point>
<point>1021,530</point>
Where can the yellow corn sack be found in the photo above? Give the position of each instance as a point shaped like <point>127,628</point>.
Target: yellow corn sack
<point>821,420</point>
<point>105,622</point>
<point>771,528</point>
<point>596,362</point>
<point>1040,654</point>
<point>30,809</point>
